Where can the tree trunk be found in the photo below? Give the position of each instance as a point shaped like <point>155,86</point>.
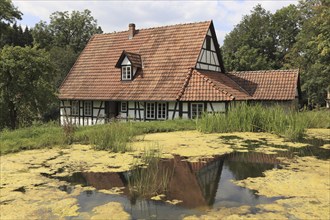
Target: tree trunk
<point>12,115</point>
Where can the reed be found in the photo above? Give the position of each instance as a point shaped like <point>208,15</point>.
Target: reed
<point>150,179</point>
<point>114,137</point>
<point>255,118</point>
<point>317,118</point>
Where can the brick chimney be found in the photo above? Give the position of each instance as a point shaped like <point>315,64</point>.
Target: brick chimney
<point>131,30</point>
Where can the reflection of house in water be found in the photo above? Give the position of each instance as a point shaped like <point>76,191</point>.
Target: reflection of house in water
<point>195,183</point>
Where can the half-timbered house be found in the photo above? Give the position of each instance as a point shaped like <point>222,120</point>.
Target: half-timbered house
<point>162,73</point>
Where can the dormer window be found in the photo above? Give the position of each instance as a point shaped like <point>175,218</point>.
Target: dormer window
<point>126,72</point>
<point>129,63</point>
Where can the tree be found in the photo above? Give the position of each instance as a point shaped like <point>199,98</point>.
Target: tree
<point>25,89</point>
<point>65,37</point>
<point>8,12</point>
<point>66,29</point>
<point>292,37</point>
<point>63,59</point>
<point>254,36</point>
<point>8,15</point>
<point>286,24</point>
<point>311,52</point>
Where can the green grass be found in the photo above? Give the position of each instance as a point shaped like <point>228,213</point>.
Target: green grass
<point>116,136</point>
<point>245,118</point>
<point>34,137</point>
<point>113,136</point>
<point>317,118</point>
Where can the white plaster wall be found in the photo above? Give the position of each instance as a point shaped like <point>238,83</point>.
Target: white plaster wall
<point>126,61</point>
<point>185,106</point>
<point>131,114</point>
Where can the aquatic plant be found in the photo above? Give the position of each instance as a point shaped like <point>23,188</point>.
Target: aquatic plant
<point>150,179</point>
<point>255,118</point>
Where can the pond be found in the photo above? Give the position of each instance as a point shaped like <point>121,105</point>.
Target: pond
<point>188,175</point>
<point>191,188</point>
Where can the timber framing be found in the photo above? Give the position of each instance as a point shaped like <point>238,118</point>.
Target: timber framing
<point>163,73</point>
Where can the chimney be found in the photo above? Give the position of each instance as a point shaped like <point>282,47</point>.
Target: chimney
<point>131,30</point>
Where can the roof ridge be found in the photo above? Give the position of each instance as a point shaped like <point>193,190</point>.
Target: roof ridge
<point>207,79</point>
<point>185,84</point>
<point>263,71</point>
<point>165,26</point>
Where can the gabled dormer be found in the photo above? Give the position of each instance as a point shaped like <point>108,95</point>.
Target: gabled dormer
<point>128,63</point>
<point>209,56</point>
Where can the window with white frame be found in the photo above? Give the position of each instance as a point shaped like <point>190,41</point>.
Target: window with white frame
<point>87,108</point>
<point>150,110</point>
<point>126,72</point>
<point>123,107</point>
<point>75,108</point>
<point>161,110</point>
<point>197,110</point>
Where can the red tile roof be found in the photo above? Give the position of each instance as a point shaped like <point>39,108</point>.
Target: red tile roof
<point>268,84</point>
<point>205,85</point>
<point>167,54</point>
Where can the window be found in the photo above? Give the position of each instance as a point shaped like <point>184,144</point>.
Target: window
<point>75,108</point>
<point>197,110</point>
<point>126,73</point>
<point>87,108</point>
<point>150,110</point>
<point>161,110</point>
<point>123,107</point>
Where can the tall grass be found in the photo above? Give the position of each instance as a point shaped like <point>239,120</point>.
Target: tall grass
<point>245,118</point>
<point>114,137</point>
<point>149,180</point>
<point>317,118</point>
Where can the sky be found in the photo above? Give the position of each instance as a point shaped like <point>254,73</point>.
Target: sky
<point>116,15</point>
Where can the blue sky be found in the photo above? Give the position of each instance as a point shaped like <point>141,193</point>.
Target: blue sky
<point>116,15</point>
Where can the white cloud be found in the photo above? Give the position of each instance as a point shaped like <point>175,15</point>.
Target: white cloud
<point>115,15</point>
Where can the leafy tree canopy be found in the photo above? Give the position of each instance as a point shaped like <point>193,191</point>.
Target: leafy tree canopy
<point>8,12</point>
<point>66,29</point>
<point>292,37</point>
<point>25,91</point>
